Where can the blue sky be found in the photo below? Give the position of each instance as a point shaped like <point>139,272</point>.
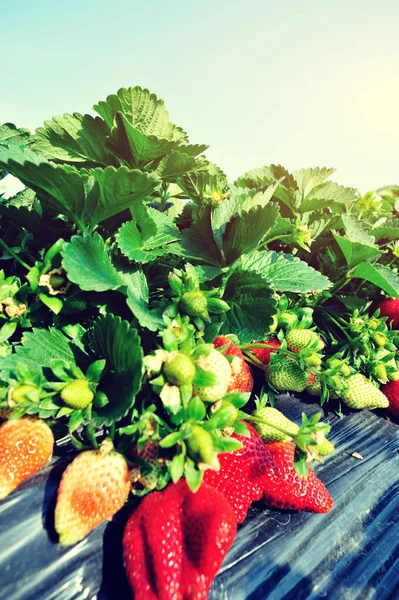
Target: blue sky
<point>301,83</point>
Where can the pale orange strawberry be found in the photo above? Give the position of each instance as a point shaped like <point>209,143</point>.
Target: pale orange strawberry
<point>25,446</point>
<point>93,488</point>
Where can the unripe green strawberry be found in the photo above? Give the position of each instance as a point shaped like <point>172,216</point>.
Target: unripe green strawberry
<point>298,339</point>
<point>287,319</point>
<point>194,303</point>
<point>314,360</point>
<point>343,367</point>
<point>379,339</point>
<point>315,388</point>
<point>373,323</point>
<point>361,393</point>
<point>179,369</point>
<point>20,393</point>
<point>287,375</point>
<point>275,417</point>
<point>218,364</point>
<point>77,394</point>
<point>200,445</point>
<point>74,305</point>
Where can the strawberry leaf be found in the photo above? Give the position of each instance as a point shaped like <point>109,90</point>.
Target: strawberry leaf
<point>119,343</point>
<point>77,139</point>
<point>383,277</point>
<point>138,301</point>
<point>284,272</point>
<point>143,110</point>
<point>39,347</point>
<point>252,305</point>
<point>146,237</point>
<point>87,263</point>
<point>85,197</point>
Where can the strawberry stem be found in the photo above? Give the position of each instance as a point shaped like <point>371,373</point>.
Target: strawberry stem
<point>14,255</point>
<point>91,436</point>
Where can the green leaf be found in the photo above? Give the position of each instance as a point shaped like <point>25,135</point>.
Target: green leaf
<point>240,428</point>
<point>85,197</point>
<point>387,230</point>
<point>76,420</point>
<point>138,301</point>
<point>239,399</point>
<point>243,233</point>
<point>325,195</point>
<point>177,163</point>
<point>143,110</point>
<point>87,263</point>
<point>196,410</point>
<point>252,306</point>
<point>146,237</point>
<point>53,303</point>
<point>240,203</point>
<point>265,176</point>
<point>205,378</point>
<point>39,347</point>
<point>308,179</point>
<point>10,133</point>
<point>176,467</point>
<point>78,139</point>
<point>226,444</point>
<point>119,343</point>
<point>7,330</point>
<point>379,275</point>
<point>170,440</point>
<point>193,476</point>
<point>284,272</point>
<point>205,184</point>
<point>197,242</point>
<point>357,245</point>
<point>133,146</point>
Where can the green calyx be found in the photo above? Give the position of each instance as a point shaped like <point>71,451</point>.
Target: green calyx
<point>77,394</point>
<point>200,445</point>
<point>225,405</point>
<point>194,304</point>
<point>179,369</point>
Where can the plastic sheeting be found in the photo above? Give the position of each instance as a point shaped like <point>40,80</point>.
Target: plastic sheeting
<point>348,554</point>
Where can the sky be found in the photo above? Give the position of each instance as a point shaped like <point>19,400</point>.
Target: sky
<point>298,83</point>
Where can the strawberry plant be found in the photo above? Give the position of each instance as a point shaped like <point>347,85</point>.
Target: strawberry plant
<point>150,310</point>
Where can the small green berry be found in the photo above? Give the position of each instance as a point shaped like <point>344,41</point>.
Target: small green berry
<point>194,303</point>
<point>77,394</point>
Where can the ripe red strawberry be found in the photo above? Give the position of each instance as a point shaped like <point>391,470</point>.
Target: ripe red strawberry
<point>263,354</point>
<point>266,470</point>
<point>241,376</point>
<point>390,308</point>
<point>25,446</point>
<point>391,391</point>
<point>175,542</point>
<point>93,488</point>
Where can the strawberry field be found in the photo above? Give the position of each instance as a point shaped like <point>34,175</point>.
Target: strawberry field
<point>213,367</point>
